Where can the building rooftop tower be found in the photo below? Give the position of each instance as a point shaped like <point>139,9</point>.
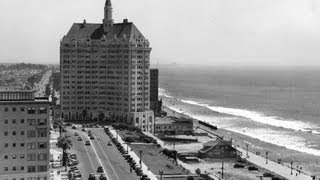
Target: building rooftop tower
<point>107,21</point>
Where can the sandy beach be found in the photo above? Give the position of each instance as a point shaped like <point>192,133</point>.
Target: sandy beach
<point>309,163</point>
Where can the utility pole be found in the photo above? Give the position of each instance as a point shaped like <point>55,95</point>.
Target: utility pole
<point>247,149</point>
<point>140,152</point>
<point>222,168</point>
<point>291,166</point>
<point>161,173</point>
<point>267,157</point>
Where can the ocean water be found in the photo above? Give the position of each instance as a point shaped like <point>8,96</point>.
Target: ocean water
<point>276,105</point>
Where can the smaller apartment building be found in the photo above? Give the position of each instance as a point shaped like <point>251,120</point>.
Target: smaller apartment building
<point>173,125</point>
<point>24,136</point>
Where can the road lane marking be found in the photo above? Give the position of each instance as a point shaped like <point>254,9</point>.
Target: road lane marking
<point>89,156</point>
<point>104,169</point>
<point>108,160</point>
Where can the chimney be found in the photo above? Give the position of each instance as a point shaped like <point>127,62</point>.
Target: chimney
<point>125,21</point>
<point>83,24</point>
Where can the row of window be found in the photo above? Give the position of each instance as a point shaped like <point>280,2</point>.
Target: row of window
<point>31,122</point>
<point>30,134</point>
<point>30,145</point>
<point>30,157</point>
<point>29,178</point>
<point>30,110</point>
<point>30,169</point>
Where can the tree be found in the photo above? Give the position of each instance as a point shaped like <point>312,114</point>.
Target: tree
<point>84,114</point>
<point>64,143</point>
<point>190,178</point>
<point>101,116</point>
<point>198,171</point>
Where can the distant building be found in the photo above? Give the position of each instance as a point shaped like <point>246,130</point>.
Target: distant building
<point>218,149</point>
<point>24,136</point>
<point>105,72</point>
<point>56,112</point>
<point>173,125</point>
<point>155,104</point>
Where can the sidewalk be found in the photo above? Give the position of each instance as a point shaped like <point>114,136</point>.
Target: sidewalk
<point>273,166</point>
<point>56,155</point>
<point>255,159</point>
<point>134,156</point>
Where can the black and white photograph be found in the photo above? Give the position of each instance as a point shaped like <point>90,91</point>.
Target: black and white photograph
<point>160,90</point>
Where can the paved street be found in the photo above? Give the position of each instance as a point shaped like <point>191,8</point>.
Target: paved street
<point>41,86</point>
<point>100,154</point>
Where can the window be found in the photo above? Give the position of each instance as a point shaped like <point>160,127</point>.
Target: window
<point>22,109</point>
<point>22,133</point>
<point>42,110</point>
<point>42,145</point>
<point>14,133</point>
<point>14,156</point>
<point>42,168</point>
<point>22,169</point>
<point>31,122</point>
<point>42,157</point>
<point>31,145</point>
<point>31,134</point>
<point>42,122</point>
<point>5,156</point>
<point>6,109</point>
<point>14,144</point>
<point>14,168</point>
<point>5,133</point>
<point>14,121</point>
<point>6,168</point>
<point>31,110</point>
<point>6,121</point>
<point>22,121</point>
<point>31,157</point>
<point>31,168</point>
<point>14,109</point>
<point>21,156</point>
<point>6,145</point>
<point>42,133</point>
<point>21,144</point>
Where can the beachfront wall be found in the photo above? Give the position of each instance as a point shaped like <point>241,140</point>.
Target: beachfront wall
<point>217,149</point>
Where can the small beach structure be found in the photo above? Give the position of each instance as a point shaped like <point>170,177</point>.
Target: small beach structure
<point>170,125</point>
<point>218,149</point>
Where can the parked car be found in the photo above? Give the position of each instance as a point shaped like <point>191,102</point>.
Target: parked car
<point>87,143</point>
<point>100,169</point>
<point>76,134</point>
<point>103,177</point>
<point>83,129</point>
<point>92,176</point>
<point>252,168</point>
<point>74,127</point>
<point>91,137</point>
<point>73,156</point>
<point>109,143</point>
<point>238,165</point>
<point>79,139</point>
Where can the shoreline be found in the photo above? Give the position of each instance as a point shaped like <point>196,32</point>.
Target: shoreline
<point>308,163</point>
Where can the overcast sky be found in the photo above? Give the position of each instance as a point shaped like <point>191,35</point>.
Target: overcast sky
<point>215,32</point>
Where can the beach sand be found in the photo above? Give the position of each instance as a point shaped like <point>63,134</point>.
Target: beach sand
<point>310,164</point>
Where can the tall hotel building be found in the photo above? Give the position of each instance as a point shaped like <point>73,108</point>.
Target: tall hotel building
<point>24,136</point>
<point>105,68</point>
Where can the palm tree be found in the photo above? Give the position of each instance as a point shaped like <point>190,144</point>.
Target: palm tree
<point>64,143</point>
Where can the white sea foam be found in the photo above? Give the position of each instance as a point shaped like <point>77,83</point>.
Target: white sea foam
<point>257,117</point>
<point>280,138</point>
<point>162,92</point>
